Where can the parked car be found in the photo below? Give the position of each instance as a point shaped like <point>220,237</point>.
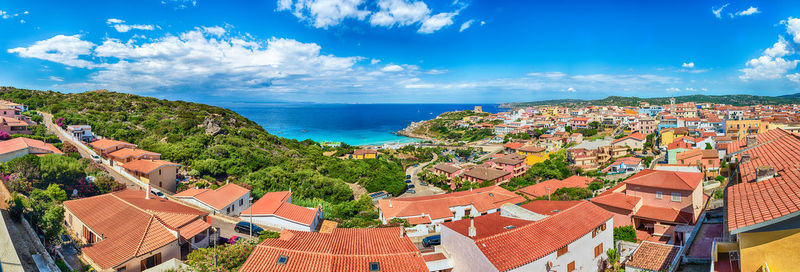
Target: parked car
<point>408,176</point>
<point>408,181</point>
<point>411,186</point>
<point>244,227</point>
<point>96,159</point>
<point>411,191</point>
<point>423,183</point>
<point>234,239</point>
<point>158,193</point>
<point>432,240</point>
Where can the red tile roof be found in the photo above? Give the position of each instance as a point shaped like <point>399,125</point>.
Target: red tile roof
<point>686,181</point>
<point>276,203</point>
<point>514,145</point>
<point>664,214</point>
<point>131,225</point>
<point>132,152</point>
<point>106,143</point>
<point>33,146</point>
<point>540,189</point>
<point>653,256</point>
<point>340,250</point>
<point>752,202</point>
<point>532,149</point>
<point>512,248</point>
<point>219,198</point>
<point>679,144</point>
<point>510,159</point>
<point>147,166</point>
<point>438,206</point>
<point>636,136</point>
<point>547,207</point>
<point>617,200</point>
<point>364,151</point>
<point>485,173</point>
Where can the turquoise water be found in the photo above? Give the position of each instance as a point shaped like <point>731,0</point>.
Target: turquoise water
<point>355,124</point>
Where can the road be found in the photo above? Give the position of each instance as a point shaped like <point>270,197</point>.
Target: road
<point>419,188</point>
<point>48,122</point>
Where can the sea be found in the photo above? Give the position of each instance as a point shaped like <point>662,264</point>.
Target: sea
<point>354,124</point>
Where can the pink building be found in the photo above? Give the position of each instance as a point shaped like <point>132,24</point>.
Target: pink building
<point>448,170</point>
<point>579,122</point>
<point>513,163</point>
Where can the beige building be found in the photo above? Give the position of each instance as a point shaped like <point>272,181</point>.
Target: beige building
<point>158,173</point>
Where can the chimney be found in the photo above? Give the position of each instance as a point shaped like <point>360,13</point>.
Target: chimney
<point>744,158</point>
<point>472,230</point>
<point>751,140</point>
<point>147,193</point>
<point>764,172</point>
<point>390,203</point>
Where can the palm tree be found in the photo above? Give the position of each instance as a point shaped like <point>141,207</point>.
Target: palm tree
<point>613,260</point>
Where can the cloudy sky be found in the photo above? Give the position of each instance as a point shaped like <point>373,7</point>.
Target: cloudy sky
<point>404,51</point>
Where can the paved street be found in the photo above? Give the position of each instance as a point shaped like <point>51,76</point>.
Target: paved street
<point>48,122</point>
<point>420,189</point>
<point>9,261</point>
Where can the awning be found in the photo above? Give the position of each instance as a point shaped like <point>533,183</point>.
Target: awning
<point>193,228</point>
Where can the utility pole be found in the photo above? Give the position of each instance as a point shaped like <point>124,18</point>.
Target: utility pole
<point>251,217</point>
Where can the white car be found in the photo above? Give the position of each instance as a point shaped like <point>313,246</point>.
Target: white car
<point>96,159</point>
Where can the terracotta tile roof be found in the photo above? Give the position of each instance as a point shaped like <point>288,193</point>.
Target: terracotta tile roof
<point>686,181</point>
<point>449,168</point>
<point>33,146</point>
<point>12,121</point>
<point>276,203</point>
<point>131,152</point>
<point>540,189</point>
<point>547,207</point>
<point>679,144</point>
<point>219,198</point>
<point>106,143</point>
<point>365,151</point>
<point>513,145</point>
<point>328,226</point>
<point>131,225</point>
<point>653,256</point>
<point>512,248</point>
<point>147,166</point>
<point>193,228</point>
<point>485,173</point>
<point>617,200</point>
<point>532,149</point>
<point>340,250</point>
<point>754,203</point>
<point>664,214</point>
<point>510,159</point>
<point>419,220</point>
<point>434,257</point>
<point>636,136</point>
<point>438,206</point>
<point>703,153</point>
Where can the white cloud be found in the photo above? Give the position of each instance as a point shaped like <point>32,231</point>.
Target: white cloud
<point>673,89</point>
<point>571,90</point>
<point>325,13</point>
<point>436,72</point>
<point>794,77</point>
<point>392,68</point>
<point>688,65</point>
<point>120,25</point>
<point>793,28</point>
<point>689,89</point>
<point>389,13</point>
<point>718,12</point>
<point>547,74</point>
<point>749,11</point>
<point>779,49</point>
<point>465,25</point>
<point>436,22</point>
<point>61,49</point>
<point>6,15</point>
<point>215,30</point>
<point>55,78</point>
<point>374,61</point>
<point>483,23</point>
<point>766,67</point>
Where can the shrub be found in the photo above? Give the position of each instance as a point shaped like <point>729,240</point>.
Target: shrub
<point>624,233</point>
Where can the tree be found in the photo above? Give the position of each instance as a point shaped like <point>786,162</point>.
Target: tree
<point>60,170</point>
<point>613,259</point>
<point>708,146</point>
<point>51,222</point>
<point>106,184</point>
<point>16,206</point>
<point>624,233</point>
<point>220,258</point>
<point>56,193</point>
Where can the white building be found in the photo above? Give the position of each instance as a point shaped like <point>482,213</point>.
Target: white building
<point>573,239</point>
<point>230,199</point>
<point>276,210</point>
<point>81,132</point>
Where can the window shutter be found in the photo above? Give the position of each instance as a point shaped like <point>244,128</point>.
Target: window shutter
<point>144,264</point>
<point>158,258</point>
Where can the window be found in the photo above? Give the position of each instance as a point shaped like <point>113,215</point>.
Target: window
<point>562,251</point>
<point>659,195</point>
<point>283,259</point>
<point>121,269</point>
<point>228,210</point>
<point>676,197</point>
<point>241,202</point>
<point>159,171</point>
<point>598,250</point>
<point>151,261</point>
<point>374,266</point>
<point>571,266</point>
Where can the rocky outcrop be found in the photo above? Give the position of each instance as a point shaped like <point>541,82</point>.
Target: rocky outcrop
<point>212,126</point>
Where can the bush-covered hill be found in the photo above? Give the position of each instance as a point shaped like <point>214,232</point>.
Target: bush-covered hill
<point>216,143</point>
<point>736,100</point>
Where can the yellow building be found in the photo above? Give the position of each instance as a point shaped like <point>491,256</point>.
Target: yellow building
<point>533,154</point>
<point>365,154</point>
<point>739,129</point>
<point>668,135</point>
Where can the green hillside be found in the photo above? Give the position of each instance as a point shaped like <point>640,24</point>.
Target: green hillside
<point>216,143</point>
<point>736,100</point>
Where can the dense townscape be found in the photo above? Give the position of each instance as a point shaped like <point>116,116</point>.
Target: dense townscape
<point>535,188</point>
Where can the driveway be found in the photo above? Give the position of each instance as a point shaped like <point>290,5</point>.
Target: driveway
<point>9,261</point>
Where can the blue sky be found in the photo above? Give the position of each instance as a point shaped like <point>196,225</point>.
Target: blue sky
<point>404,51</point>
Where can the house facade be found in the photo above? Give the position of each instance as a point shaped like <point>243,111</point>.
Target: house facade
<point>275,209</point>
<point>162,174</point>
<point>230,199</point>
